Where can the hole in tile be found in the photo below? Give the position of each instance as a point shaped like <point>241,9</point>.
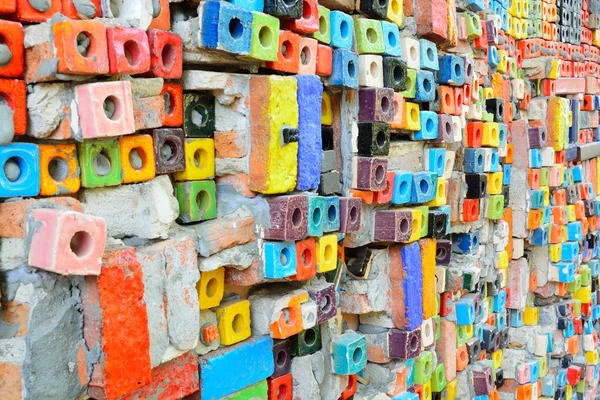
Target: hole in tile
<point>316,216</point>
<point>168,150</point>
<point>137,158</point>
<point>289,316</point>
<point>212,286</point>
<point>305,55</point>
<point>306,257</point>
<point>413,53</point>
<point>385,104</point>
<point>379,174</point>
<point>404,225</point>
<point>237,324</point>
<point>200,157</point>
<point>101,163</point>
<point>287,50</point>
<point>322,25</point>
<point>351,69</point>
<point>58,169</point>
<point>168,56</point>
<point>306,10</point>
<point>81,244</point>
<point>236,29</point>
<point>328,253</point>
<point>310,337</point>
<point>83,43</point>
<point>132,52</point>
<point>284,257</point>
<point>374,69</point>
<point>332,213</point>
<point>353,214</point>
<point>297,217</point>
<point>202,202</point>
<point>380,139</point>
<point>398,74</point>
<point>112,108</point>
<point>282,358</point>
<point>357,355</point>
<point>371,35</point>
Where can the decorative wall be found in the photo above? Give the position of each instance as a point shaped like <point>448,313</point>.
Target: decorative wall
<point>287,199</point>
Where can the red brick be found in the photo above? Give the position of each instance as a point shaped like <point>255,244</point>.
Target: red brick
<point>432,19</point>
<point>148,112</point>
<point>569,85</point>
<point>14,214</point>
<point>239,181</point>
<point>124,325</point>
<point>407,8</point>
<point>16,313</point>
<point>10,381</point>
<point>446,347</point>
<point>247,277</point>
<point>223,233</point>
<point>171,381</point>
<point>230,145</point>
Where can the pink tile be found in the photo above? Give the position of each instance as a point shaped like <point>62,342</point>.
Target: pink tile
<point>67,242</point>
<point>91,101</point>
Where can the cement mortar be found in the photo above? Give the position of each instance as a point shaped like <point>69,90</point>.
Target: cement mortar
<point>40,5</point>
<point>85,8</point>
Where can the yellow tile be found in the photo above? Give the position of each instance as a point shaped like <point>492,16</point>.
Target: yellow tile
<point>412,117</point>
<point>210,288</point>
<point>326,110</point>
<point>440,194</point>
<point>491,134</point>
<point>199,160</point>
<point>233,318</point>
<point>327,253</point>
<point>494,184</point>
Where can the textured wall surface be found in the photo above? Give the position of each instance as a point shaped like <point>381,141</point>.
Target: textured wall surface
<point>293,199</point>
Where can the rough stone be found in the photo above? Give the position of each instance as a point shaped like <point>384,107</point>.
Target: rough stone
<point>146,210</point>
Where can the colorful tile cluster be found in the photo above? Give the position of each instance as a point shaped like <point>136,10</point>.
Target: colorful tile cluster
<point>179,220</point>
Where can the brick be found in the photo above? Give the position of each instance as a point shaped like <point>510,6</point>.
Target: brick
<point>406,282</point>
<point>273,165</point>
<point>238,181</point>
<point>49,111</point>
<point>16,313</point>
<point>11,381</point>
<point>252,275</point>
<point>446,347</point>
<point>253,356</point>
<point>170,275</point>
<point>73,56</point>
<point>432,20</point>
<point>309,99</point>
<point>230,144</point>
<point>67,242</point>
<point>123,207</point>
<point>224,233</point>
<point>105,109</point>
<point>14,92</point>
<point>15,214</point>
<point>122,326</point>
<point>13,36</point>
<point>128,50</point>
<point>428,252</point>
<point>148,112</point>
<point>171,381</point>
<point>518,283</point>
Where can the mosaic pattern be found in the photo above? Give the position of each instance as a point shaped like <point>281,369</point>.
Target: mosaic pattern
<point>286,199</point>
